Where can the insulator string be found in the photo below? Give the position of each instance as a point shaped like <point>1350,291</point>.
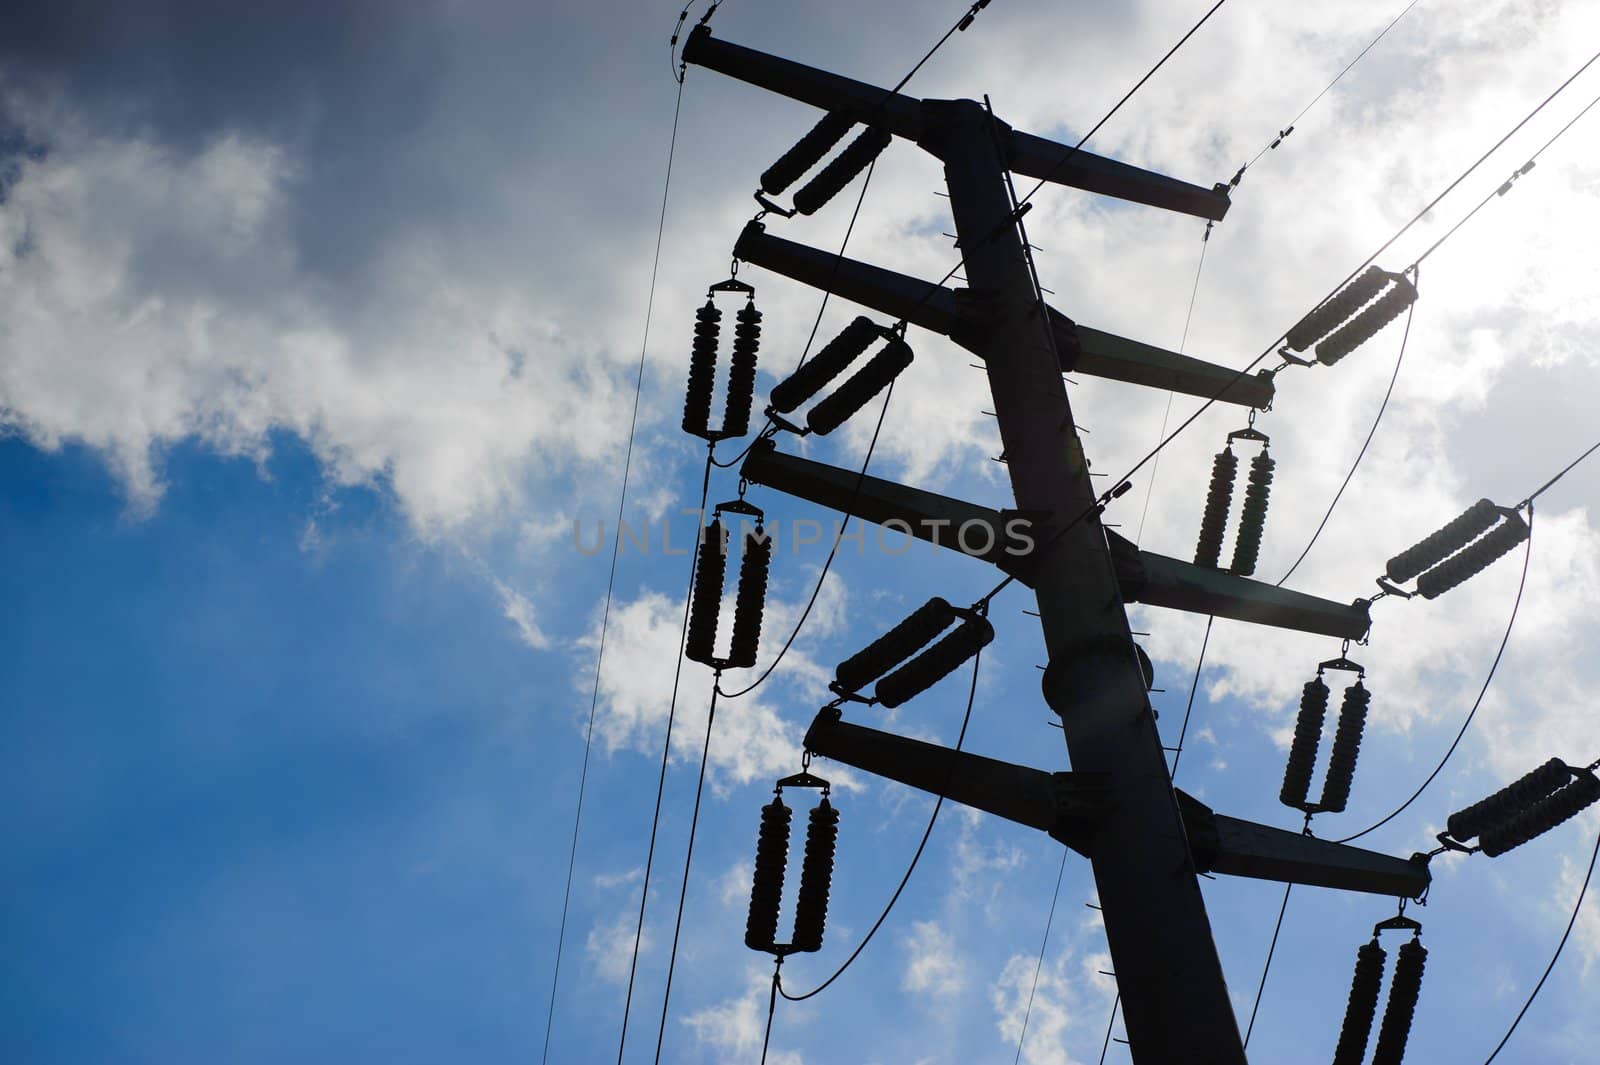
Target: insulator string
<point>966,717</point>
<point>1511,622</point>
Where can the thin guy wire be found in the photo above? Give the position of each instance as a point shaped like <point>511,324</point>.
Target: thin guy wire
<point>972,695</point>
<point>688,859</point>
<point>1329,87</point>
<point>1194,686</point>
<point>1576,909</point>
<point>1382,407</point>
<point>1111,1023</point>
<point>772,1009</point>
<point>1194,291</point>
<point>661,779</point>
<point>1266,968</point>
<point>1527,555</point>
<point>1563,473</point>
<point>611,578</point>
<point>1043,943</point>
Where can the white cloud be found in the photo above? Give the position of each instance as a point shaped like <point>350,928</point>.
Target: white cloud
<point>610,945</point>
<point>519,611</point>
<point>933,964</point>
<point>733,1029</point>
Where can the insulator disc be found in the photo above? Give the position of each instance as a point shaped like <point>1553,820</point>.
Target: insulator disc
<point>751,602</point>
<point>1253,515</point>
<point>1328,315</point>
<point>806,153</point>
<point>1403,990</point>
<point>766,886</point>
<point>1461,531</point>
<point>1540,817</point>
<point>1504,804</point>
<point>1218,497</point>
<point>1346,748</point>
<point>894,646</point>
<point>742,372</point>
<point>832,179</point>
<point>1303,750</point>
<point>816,878</point>
<point>705,604</point>
<point>824,366</point>
<point>1362,1005</point>
<point>936,663</point>
<point>702,371</point>
<point>1473,559</point>
<point>865,383</point>
<point>1364,326</point>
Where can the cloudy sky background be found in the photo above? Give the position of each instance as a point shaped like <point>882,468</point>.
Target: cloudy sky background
<point>318,332</point>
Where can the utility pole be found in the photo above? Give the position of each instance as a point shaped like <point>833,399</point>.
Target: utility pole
<point>1146,842</point>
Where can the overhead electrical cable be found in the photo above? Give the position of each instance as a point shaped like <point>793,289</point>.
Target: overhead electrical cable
<point>1266,966</point>
<point>1577,907</point>
<point>661,777</point>
<point>1039,964</point>
<point>611,578</point>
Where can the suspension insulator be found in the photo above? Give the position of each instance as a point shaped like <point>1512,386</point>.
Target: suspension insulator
<point>806,153</point>
<point>832,179</point>
<point>865,383</point>
<point>816,878</point>
<point>1431,550</point>
<point>1474,558</point>
<point>1327,316</point>
<point>936,663</point>
<point>1535,820</point>
<point>1364,326</point>
<point>702,370</point>
<point>1253,515</point>
<point>1303,751</point>
<point>705,603</point>
<point>742,371</point>
<point>1504,804</point>
<point>1404,987</point>
<point>1218,498</point>
<point>824,366</point>
<point>766,886</point>
<point>1362,1006</point>
<point>894,646</point>
<point>1346,747</point>
<point>751,601</point>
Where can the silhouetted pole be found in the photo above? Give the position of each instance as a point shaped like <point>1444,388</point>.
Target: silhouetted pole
<point>1174,998</point>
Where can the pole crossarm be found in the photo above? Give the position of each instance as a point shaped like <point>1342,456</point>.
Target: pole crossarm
<point>1007,538</point>
<point>1071,807</point>
<point>956,314</point>
<point>905,116</point>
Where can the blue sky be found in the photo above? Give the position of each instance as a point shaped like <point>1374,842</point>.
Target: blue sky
<point>318,335</point>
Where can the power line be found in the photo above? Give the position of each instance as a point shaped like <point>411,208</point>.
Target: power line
<point>1568,469</point>
<point>611,578</point>
<point>661,778</point>
<point>1118,105</point>
<point>688,858</point>
<point>1577,907</point>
